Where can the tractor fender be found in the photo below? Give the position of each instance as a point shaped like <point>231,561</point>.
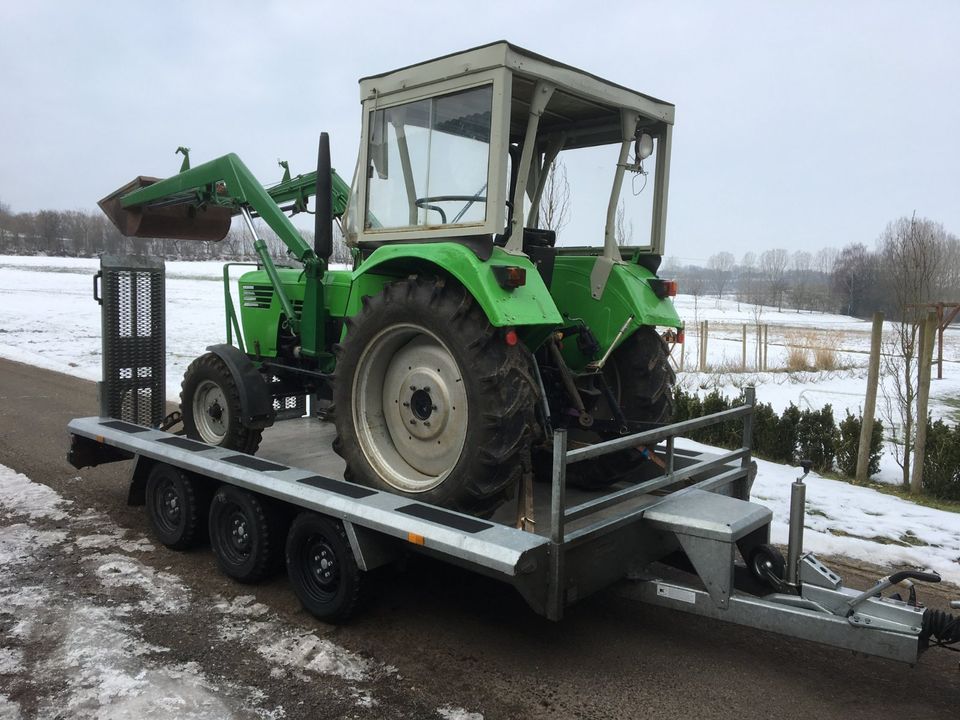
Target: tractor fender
<point>527,305</point>
<point>256,403</point>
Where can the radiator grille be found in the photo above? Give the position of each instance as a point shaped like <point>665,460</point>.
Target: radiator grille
<point>256,296</point>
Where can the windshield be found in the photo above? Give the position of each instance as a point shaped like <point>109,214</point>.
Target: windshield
<point>576,195</point>
<point>429,160</point>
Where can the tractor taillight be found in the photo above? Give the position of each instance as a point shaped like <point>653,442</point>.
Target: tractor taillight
<point>510,277</point>
<point>680,336</point>
<point>663,288</point>
<point>511,338</point>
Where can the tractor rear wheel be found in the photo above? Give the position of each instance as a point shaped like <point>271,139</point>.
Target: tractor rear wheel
<point>432,402</point>
<point>210,406</point>
<point>640,377</point>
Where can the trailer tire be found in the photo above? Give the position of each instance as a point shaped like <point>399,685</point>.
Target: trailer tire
<point>246,534</point>
<point>640,375</point>
<point>176,504</point>
<point>210,406</point>
<point>433,402</point>
<point>322,569</point>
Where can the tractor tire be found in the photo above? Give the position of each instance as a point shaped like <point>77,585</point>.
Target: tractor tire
<point>210,406</point>
<point>639,374</point>
<point>432,402</point>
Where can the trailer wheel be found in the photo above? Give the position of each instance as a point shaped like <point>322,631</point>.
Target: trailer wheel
<point>640,377</point>
<point>176,505</point>
<point>246,534</point>
<point>322,568</point>
<point>432,402</point>
<point>210,406</point>
<point>767,565</point>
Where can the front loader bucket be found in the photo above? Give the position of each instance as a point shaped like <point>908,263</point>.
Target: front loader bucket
<point>175,218</point>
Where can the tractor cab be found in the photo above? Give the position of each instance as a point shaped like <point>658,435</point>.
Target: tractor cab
<point>460,149</point>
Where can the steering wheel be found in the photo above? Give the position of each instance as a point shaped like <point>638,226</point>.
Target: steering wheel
<point>426,203</point>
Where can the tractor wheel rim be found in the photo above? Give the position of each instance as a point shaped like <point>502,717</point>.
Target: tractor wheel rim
<point>210,412</point>
<point>410,408</point>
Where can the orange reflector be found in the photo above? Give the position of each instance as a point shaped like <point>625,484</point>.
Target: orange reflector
<point>415,539</point>
<point>510,277</point>
<point>671,287</point>
<point>511,338</point>
<point>99,439</point>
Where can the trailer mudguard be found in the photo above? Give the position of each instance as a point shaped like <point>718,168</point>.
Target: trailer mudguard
<point>528,306</point>
<point>256,403</point>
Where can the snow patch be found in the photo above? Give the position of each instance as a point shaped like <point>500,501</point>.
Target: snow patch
<point>11,660</point>
<point>294,650</point>
<point>18,542</point>
<point>448,712</point>
<point>116,539</point>
<point>21,496</point>
<point>165,593</point>
<point>9,710</point>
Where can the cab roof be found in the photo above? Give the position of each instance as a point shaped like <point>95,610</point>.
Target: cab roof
<point>579,94</point>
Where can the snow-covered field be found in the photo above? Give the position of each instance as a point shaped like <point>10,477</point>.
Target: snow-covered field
<point>51,320</point>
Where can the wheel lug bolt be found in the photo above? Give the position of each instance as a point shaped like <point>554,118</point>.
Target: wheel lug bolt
<point>406,404</point>
<point>433,407</point>
<point>427,423</point>
<point>413,388</point>
<point>412,421</point>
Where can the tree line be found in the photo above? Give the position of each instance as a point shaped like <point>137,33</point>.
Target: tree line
<point>914,261</point>
<point>75,233</point>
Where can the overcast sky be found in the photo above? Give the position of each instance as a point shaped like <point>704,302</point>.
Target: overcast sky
<point>798,125</point>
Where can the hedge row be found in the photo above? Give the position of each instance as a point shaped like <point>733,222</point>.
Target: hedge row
<point>787,437</point>
<point>941,464</point>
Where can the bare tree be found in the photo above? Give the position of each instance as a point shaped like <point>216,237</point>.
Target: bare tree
<point>623,230</point>
<point>912,250</point>
<point>555,201</point>
<point>721,270</point>
<point>801,264</point>
<point>773,266</point>
<point>852,275</point>
<point>745,289</point>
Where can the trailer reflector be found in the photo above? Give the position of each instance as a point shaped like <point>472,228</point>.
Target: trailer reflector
<point>415,539</point>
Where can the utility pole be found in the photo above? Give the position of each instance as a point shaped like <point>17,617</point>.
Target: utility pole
<point>870,402</point>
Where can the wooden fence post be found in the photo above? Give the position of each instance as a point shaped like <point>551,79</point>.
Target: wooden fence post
<point>870,402</point>
<point>927,330</point>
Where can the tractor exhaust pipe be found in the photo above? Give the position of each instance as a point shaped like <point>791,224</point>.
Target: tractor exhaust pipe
<point>323,228</point>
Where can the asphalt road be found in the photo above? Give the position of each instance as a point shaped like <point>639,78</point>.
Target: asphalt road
<point>464,641</point>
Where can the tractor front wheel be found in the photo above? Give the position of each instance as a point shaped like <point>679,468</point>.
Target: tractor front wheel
<point>432,402</point>
<point>210,406</point>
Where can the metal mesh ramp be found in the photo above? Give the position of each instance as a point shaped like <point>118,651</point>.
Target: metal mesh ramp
<point>134,342</point>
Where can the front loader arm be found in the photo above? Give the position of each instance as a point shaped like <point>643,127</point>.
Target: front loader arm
<point>198,203</point>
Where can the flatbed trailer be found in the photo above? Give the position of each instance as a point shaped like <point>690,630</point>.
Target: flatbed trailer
<point>679,524</point>
<point>698,511</point>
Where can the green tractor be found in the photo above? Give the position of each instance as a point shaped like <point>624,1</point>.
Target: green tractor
<point>463,334</point>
